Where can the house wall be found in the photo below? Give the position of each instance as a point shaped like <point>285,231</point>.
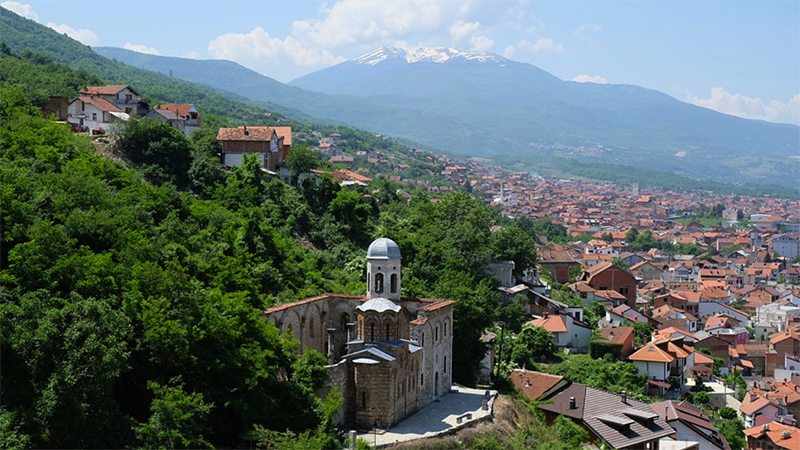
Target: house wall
<point>616,280</point>
<point>655,370</point>
<point>689,434</point>
<point>786,247</point>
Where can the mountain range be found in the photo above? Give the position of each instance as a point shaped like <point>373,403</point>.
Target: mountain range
<point>482,104</point>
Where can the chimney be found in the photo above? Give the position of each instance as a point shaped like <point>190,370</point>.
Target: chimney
<point>624,396</point>
<point>572,404</point>
<point>527,382</point>
<point>246,133</point>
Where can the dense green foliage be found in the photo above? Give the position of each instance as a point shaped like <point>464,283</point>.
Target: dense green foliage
<point>130,308</point>
<point>607,374</point>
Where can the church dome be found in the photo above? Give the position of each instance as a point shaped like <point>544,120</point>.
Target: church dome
<point>383,248</point>
<point>379,304</point>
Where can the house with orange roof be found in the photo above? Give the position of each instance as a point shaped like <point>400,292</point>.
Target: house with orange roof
<point>773,436</point>
<point>606,276</point>
<point>181,117</point>
<point>122,96</point>
<point>98,107</point>
<point>664,358</point>
<point>618,335</point>
<point>263,142</point>
<point>536,385</point>
<point>568,332</point>
<point>646,271</point>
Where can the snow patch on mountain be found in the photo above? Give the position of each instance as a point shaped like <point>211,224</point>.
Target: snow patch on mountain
<point>425,54</point>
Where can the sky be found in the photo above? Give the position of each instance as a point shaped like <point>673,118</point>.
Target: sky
<point>739,57</point>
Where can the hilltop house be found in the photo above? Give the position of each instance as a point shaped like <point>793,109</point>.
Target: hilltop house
<point>182,117</point>
<point>568,331</point>
<point>663,358</point>
<point>268,144</point>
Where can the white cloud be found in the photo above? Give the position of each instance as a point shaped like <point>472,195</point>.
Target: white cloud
<point>481,43</point>
<point>21,9</point>
<point>581,30</point>
<point>87,37</point>
<point>360,22</point>
<point>540,45</point>
<point>471,34</point>
<point>751,108</point>
<point>141,49</point>
<point>583,78</point>
<point>191,54</point>
<point>461,31</point>
<point>258,50</point>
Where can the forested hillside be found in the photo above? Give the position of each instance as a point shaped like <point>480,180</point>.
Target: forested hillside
<point>129,307</point>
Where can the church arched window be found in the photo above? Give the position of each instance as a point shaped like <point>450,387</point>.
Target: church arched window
<point>372,332</point>
<point>388,329</point>
<point>379,283</point>
<point>393,283</point>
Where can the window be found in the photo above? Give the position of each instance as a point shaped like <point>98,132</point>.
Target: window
<point>387,331</point>
<point>423,338</point>
<point>363,399</point>
<point>445,329</point>
<point>379,283</point>
<point>445,363</point>
<point>94,116</point>
<point>372,332</point>
<point>311,328</point>
<point>421,379</point>
<point>393,283</point>
<point>436,334</point>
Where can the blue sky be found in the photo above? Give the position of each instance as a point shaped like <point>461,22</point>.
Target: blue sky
<point>738,57</point>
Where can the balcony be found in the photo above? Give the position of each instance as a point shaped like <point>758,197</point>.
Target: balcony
<point>676,371</point>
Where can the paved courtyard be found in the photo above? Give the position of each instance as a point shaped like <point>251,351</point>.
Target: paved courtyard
<point>437,417</point>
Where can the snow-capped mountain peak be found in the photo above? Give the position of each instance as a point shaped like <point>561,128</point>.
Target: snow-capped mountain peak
<point>424,54</point>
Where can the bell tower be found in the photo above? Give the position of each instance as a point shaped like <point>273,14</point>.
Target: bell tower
<point>383,270</point>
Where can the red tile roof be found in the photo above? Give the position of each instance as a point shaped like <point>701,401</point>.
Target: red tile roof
<point>553,324</point>
<point>534,384</point>
<point>180,110</point>
<point>246,133</point>
<point>110,89</point>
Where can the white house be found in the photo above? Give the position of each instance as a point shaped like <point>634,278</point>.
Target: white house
<point>568,331</point>
<point>786,245</point>
<point>664,357</point>
<point>94,112</point>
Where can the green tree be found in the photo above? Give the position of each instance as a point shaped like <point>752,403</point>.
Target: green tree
<point>733,431</point>
<point>726,413</point>
<point>513,243</point>
<point>619,262</point>
<point>178,419</point>
<point>701,398</point>
<point>301,159</point>
<point>162,151</point>
<point>631,235</point>
<point>531,344</point>
<point>570,433</point>
<point>643,332</point>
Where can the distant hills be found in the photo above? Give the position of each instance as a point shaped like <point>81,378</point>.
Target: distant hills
<point>468,104</point>
<point>480,104</point>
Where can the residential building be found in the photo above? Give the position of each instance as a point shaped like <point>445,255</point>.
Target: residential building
<point>607,276</point>
<point>613,421</point>
<point>773,436</point>
<point>691,424</point>
<point>265,143</point>
<point>182,117</point>
<point>664,358</point>
<point>569,332</point>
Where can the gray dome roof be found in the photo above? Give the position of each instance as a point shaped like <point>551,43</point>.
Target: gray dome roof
<point>383,248</point>
<point>379,304</point>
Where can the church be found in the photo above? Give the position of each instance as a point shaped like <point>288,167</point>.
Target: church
<point>389,356</point>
